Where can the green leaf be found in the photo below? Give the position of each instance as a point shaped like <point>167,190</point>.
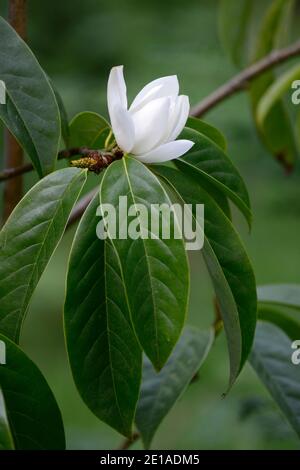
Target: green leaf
<point>31,112</point>
<point>271,359</point>
<point>278,135</point>
<point>215,135</point>
<point>209,131</point>
<point>105,357</point>
<point>234,19</point>
<point>154,271</point>
<point>65,131</point>
<point>276,130</point>
<point>88,129</point>
<point>281,317</point>
<point>33,415</point>
<point>280,304</point>
<point>276,91</point>
<point>13,121</point>
<point>213,168</point>
<point>29,239</point>
<point>161,390</point>
<point>228,265</point>
<point>287,295</point>
<point>6,440</point>
<point>270,27</point>
<point>261,27</point>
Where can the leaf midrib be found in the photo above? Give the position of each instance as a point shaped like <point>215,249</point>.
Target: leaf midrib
<point>108,341</point>
<point>147,263</point>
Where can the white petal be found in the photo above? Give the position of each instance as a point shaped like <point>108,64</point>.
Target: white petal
<point>165,86</point>
<point>178,116</point>
<point>166,152</point>
<point>123,128</point>
<point>116,89</point>
<point>150,125</point>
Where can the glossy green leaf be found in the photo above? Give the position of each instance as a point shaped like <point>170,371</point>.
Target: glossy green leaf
<point>161,390</point>
<point>234,19</point>
<point>31,112</point>
<point>228,266</point>
<point>287,295</point>
<point>65,131</point>
<point>10,116</point>
<point>208,130</point>
<point>213,168</point>
<point>276,129</point>
<point>31,409</point>
<point>6,440</point>
<point>278,88</point>
<point>215,135</point>
<point>105,357</point>
<point>154,271</point>
<point>28,240</point>
<point>88,129</point>
<point>271,358</point>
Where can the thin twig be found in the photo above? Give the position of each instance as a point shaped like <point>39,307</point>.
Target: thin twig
<point>9,173</point>
<point>127,443</point>
<point>13,151</point>
<point>80,207</point>
<point>240,81</point>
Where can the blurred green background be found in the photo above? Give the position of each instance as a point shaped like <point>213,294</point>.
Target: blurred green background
<point>77,43</point>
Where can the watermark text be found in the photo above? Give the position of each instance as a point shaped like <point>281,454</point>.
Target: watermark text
<point>296,354</point>
<point>296,93</point>
<point>152,221</point>
<point>2,92</point>
<point>2,352</point>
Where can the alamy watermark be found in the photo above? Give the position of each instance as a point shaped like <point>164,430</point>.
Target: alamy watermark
<point>2,92</point>
<point>152,221</point>
<point>296,93</point>
<point>296,354</point>
<point>2,352</point>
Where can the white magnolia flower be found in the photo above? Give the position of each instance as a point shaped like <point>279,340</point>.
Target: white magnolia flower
<point>157,115</point>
